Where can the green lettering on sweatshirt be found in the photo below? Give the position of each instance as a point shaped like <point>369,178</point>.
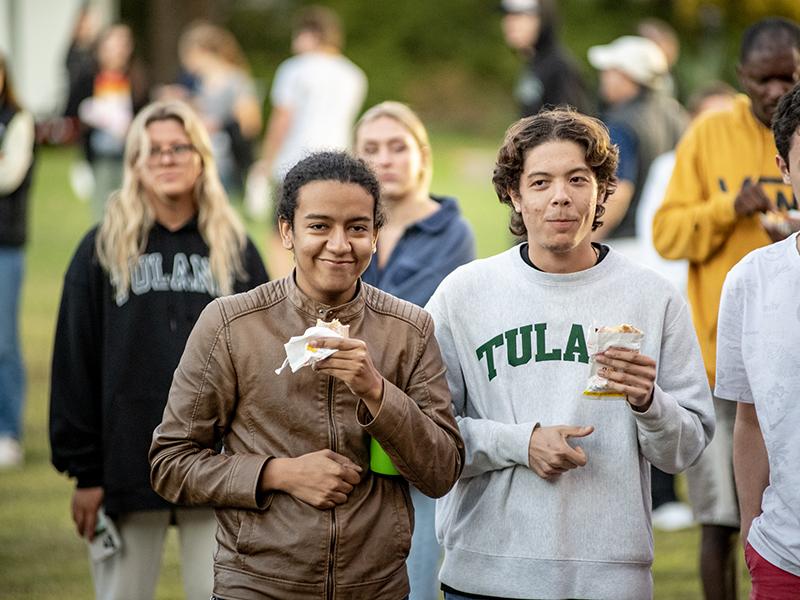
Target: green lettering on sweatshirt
<point>514,358</point>
<point>487,350</point>
<point>576,345</point>
<point>519,342</point>
<point>541,343</point>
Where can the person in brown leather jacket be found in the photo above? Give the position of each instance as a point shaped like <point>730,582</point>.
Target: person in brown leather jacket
<point>300,514</point>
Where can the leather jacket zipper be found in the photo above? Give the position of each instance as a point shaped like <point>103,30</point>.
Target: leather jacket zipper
<point>332,547</point>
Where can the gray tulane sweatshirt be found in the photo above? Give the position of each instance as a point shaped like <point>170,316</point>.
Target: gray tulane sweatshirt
<point>514,342</point>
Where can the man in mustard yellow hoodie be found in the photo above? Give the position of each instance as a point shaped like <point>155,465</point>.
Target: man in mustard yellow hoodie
<point>725,181</point>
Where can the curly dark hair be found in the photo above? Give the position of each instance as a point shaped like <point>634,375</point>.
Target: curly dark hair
<point>556,124</point>
<point>329,166</point>
<point>786,121</point>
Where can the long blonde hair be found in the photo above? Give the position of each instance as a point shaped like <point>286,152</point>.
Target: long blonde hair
<point>216,40</point>
<point>129,217</point>
<point>410,121</point>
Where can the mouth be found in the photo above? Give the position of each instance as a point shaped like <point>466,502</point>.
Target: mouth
<point>561,224</point>
<point>336,263</point>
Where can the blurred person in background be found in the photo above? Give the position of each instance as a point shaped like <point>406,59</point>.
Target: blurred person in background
<point>424,239</point>
<point>80,60</point>
<point>758,322</point>
<point>725,178</point>
<point>669,514</point>
<point>119,90</point>
<point>16,170</point>
<point>315,96</point>
<point>168,244</point>
<point>643,122</point>
<point>225,96</point>
<point>666,38</point>
<point>550,75</point>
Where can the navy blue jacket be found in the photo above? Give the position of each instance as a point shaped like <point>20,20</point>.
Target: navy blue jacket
<point>428,251</point>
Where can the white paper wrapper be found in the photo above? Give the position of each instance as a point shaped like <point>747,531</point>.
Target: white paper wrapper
<point>599,340</point>
<point>300,354</point>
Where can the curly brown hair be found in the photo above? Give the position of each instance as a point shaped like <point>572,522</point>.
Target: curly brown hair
<point>553,125</point>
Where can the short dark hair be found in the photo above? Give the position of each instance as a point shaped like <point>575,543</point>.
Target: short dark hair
<point>772,30</point>
<point>323,22</point>
<point>328,166</point>
<point>786,121</point>
<point>557,124</point>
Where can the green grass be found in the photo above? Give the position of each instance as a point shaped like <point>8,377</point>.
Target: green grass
<point>41,557</point>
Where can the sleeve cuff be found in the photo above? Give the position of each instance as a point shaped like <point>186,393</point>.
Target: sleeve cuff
<point>248,469</point>
<point>394,406</point>
<point>514,442</point>
<point>653,418</point>
<point>723,210</point>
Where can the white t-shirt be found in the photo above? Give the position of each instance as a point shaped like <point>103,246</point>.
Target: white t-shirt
<point>324,93</point>
<point>758,362</point>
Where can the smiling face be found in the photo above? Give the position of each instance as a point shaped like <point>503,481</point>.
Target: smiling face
<point>332,237</point>
<point>173,167</point>
<point>557,199</point>
<point>768,73</point>
<point>394,154</point>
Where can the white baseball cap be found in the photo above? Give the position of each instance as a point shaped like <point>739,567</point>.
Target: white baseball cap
<point>639,58</point>
<point>527,7</point>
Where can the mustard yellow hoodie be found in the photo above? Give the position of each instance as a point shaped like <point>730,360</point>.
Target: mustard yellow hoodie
<point>697,220</point>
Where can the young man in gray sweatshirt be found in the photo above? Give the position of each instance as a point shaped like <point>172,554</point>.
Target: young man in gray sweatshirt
<point>554,499</point>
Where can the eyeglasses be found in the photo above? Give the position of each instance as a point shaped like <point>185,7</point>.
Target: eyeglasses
<point>179,153</point>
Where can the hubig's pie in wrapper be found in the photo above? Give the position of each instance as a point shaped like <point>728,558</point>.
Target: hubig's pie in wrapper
<point>299,353</point>
<point>601,339</point>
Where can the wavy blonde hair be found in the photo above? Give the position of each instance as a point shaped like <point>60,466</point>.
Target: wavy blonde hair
<point>129,217</point>
<point>410,121</point>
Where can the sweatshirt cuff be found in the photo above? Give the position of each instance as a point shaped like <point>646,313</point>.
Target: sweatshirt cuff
<point>722,209</point>
<point>657,413</point>
<point>514,441</point>
<point>248,468</point>
<point>89,481</point>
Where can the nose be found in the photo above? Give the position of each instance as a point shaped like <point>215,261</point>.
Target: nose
<point>776,88</point>
<point>560,194</point>
<point>338,241</point>
<point>383,157</point>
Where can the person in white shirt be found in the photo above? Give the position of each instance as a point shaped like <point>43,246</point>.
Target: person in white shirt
<point>758,367</point>
<point>316,96</point>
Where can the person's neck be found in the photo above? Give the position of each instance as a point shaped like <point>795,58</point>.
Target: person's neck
<point>580,258</point>
<point>409,209</point>
<point>174,215</point>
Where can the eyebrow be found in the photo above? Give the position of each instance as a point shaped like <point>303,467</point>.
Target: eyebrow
<point>546,174</point>
<point>321,217</point>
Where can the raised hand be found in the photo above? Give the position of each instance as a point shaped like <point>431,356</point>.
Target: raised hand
<point>629,373</point>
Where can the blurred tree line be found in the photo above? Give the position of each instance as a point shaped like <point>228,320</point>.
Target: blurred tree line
<point>447,58</point>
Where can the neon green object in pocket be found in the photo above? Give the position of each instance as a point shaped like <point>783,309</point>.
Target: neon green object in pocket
<point>379,461</point>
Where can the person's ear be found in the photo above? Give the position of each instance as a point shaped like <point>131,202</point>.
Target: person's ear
<point>375,242</point>
<point>784,168</point>
<point>287,233</point>
<point>516,199</point>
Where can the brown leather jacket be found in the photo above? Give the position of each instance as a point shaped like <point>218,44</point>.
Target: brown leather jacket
<point>226,390</point>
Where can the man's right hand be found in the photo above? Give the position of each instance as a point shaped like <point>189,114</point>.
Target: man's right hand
<point>751,199</point>
<point>322,479</point>
<point>85,504</point>
<point>549,454</point>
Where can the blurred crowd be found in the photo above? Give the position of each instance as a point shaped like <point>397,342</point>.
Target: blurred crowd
<point>697,187</point>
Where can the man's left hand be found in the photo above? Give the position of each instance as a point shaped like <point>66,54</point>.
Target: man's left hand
<point>353,365</point>
<point>629,373</point>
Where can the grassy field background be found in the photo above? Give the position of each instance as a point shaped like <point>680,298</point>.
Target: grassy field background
<point>41,557</point>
